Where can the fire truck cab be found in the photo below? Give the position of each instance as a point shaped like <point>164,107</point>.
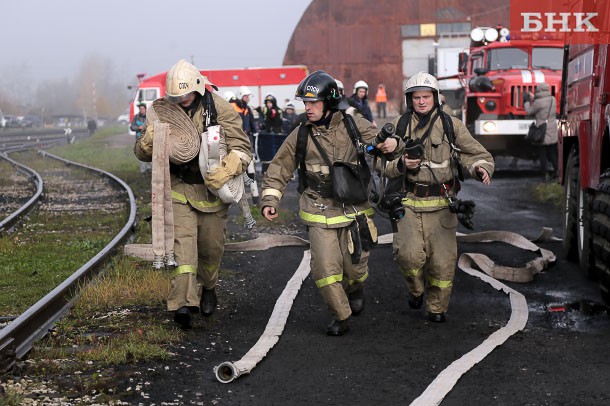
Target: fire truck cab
<point>584,160</point>
<point>281,81</point>
<point>496,74</point>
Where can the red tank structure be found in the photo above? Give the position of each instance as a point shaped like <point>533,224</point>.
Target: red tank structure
<point>385,41</point>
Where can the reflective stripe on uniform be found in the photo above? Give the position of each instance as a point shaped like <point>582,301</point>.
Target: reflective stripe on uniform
<point>319,218</point>
<point>440,202</point>
<point>359,280</point>
<point>411,273</point>
<point>184,269</point>
<point>317,168</point>
<point>272,192</point>
<point>433,165</point>
<point>320,283</point>
<point>182,199</point>
<point>439,283</point>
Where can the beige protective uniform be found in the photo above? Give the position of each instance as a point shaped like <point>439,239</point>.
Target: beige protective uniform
<point>331,265</point>
<point>426,242</point>
<point>199,216</point>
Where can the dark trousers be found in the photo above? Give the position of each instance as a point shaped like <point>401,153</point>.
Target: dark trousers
<point>548,153</point>
<point>380,109</point>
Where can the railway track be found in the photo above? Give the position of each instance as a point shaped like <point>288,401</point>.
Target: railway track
<point>39,138</point>
<point>16,193</point>
<point>17,337</point>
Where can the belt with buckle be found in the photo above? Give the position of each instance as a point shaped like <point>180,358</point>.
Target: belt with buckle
<point>425,190</point>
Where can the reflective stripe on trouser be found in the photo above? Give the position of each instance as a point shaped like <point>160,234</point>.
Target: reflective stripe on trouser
<point>199,246</point>
<point>331,267</point>
<point>426,246</point>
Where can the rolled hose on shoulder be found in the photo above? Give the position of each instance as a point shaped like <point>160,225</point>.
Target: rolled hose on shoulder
<point>184,142</point>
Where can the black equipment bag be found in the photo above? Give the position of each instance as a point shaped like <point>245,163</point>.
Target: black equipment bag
<point>350,182</point>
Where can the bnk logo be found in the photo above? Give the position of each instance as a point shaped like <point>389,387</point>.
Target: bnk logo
<point>312,89</point>
<point>580,22</point>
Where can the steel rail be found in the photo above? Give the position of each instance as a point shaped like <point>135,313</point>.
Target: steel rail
<point>17,338</point>
<point>37,139</point>
<point>21,212</point>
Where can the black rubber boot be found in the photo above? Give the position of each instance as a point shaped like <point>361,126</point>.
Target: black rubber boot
<point>182,316</point>
<point>437,317</point>
<point>415,302</point>
<point>356,300</point>
<point>208,302</point>
<point>338,327</point>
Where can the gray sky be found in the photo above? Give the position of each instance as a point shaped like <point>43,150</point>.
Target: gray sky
<point>48,39</point>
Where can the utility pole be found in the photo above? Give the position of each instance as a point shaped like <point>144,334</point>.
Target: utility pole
<point>94,100</point>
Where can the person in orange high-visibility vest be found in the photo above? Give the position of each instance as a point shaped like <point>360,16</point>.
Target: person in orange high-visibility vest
<point>381,98</point>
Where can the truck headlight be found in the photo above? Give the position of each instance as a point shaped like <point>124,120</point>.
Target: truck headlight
<point>489,127</point>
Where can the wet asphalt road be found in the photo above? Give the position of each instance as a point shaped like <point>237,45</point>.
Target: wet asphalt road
<point>393,353</point>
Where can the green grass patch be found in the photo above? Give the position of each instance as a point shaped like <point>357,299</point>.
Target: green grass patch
<point>549,193</point>
<point>11,397</point>
<point>127,281</point>
<point>37,257</point>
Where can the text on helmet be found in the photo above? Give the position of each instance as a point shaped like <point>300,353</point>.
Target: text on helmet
<point>312,89</point>
<point>183,85</point>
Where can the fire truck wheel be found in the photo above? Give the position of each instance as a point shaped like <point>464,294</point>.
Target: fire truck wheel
<point>577,241</point>
<point>570,199</point>
<point>600,227</point>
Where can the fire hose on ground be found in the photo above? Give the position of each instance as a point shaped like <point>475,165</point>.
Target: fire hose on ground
<point>228,371</point>
<point>488,271</point>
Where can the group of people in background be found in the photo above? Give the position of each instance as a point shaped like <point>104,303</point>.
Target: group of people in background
<point>271,118</point>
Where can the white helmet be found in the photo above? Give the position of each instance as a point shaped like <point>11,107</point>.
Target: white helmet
<point>182,79</point>
<point>228,95</point>
<point>422,81</point>
<point>244,91</point>
<point>361,84</point>
<point>289,105</point>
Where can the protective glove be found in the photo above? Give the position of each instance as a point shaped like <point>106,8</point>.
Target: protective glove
<point>465,211</point>
<point>230,166</point>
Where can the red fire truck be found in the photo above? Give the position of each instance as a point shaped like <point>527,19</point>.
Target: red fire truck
<point>496,72</point>
<point>281,81</point>
<point>584,156</point>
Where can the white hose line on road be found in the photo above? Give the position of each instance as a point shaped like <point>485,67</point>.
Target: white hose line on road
<point>228,371</point>
<point>446,380</point>
<point>434,394</point>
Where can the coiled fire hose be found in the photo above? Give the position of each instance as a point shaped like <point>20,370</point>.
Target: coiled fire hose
<point>213,150</point>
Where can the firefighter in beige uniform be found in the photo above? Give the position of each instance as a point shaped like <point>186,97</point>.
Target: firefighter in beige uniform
<point>426,239</point>
<point>199,216</point>
<point>327,219</point>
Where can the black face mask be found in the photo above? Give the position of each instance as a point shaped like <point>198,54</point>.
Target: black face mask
<point>325,121</point>
<point>424,119</point>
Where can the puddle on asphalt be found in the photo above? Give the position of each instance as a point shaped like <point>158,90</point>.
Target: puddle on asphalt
<point>582,315</point>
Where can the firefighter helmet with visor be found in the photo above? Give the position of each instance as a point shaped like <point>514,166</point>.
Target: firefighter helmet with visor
<point>182,79</point>
<point>319,85</point>
<point>419,82</point>
<point>361,84</point>
<point>244,91</point>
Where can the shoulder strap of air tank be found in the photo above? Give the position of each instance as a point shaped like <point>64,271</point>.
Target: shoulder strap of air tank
<point>210,107</point>
<point>448,127</point>
<point>403,122</point>
<point>300,152</point>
